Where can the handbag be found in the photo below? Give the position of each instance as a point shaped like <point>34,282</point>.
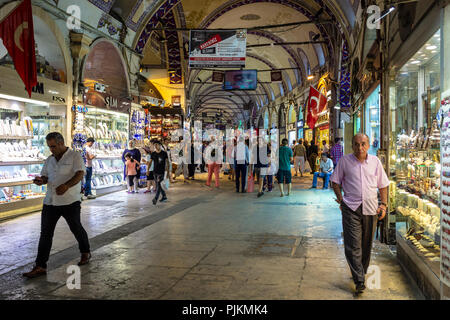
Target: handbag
<point>250,183</point>
<point>307,167</point>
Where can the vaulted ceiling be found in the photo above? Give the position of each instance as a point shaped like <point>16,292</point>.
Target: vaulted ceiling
<point>297,61</point>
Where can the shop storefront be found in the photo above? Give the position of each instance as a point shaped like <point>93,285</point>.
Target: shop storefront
<point>292,125</point>
<point>416,161</point>
<point>107,116</point>
<point>24,124</point>
<point>372,120</point>
<point>25,121</point>
<point>266,119</point>
<point>281,123</point>
<point>322,130</point>
<point>300,124</point>
<point>357,121</point>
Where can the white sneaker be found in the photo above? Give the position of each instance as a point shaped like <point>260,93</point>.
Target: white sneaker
<point>91,196</point>
<point>84,197</point>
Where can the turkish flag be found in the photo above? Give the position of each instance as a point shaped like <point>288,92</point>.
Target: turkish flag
<point>17,33</point>
<point>316,104</point>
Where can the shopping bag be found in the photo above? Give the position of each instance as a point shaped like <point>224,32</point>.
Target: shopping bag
<point>165,184</point>
<point>250,184</point>
<point>307,167</point>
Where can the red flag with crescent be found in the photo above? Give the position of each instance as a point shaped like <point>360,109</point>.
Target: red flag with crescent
<point>316,104</point>
<point>17,33</point>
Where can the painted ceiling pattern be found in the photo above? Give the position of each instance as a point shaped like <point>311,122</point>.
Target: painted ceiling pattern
<point>146,15</point>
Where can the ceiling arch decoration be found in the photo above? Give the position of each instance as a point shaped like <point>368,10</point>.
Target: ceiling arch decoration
<point>267,63</point>
<point>277,39</point>
<point>168,5</point>
<point>233,4</point>
<point>173,50</point>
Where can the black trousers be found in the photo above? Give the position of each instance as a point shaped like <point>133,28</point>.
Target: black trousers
<point>49,219</point>
<point>359,231</point>
<point>159,190</point>
<point>241,174</point>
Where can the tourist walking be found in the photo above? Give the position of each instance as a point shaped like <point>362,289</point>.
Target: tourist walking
<point>325,171</point>
<point>161,170</point>
<point>167,149</point>
<point>149,172</point>
<point>313,154</point>
<point>132,168</point>
<point>284,170</point>
<point>213,167</point>
<point>182,162</point>
<point>360,175</point>
<point>262,165</point>
<point>241,158</point>
<point>299,158</point>
<point>90,155</point>
<point>62,173</point>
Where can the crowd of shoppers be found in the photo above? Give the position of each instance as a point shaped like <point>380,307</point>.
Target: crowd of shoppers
<point>359,176</point>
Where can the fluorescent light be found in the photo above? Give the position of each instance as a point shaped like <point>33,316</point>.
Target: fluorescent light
<point>434,51</point>
<point>96,110</point>
<point>415,62</point>
<point>431,47</point>
<point>385,13</point>
<point>4,96</point>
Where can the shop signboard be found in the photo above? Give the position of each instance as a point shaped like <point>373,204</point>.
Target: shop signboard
<point>217,48</point>
<point>107,101</point>
<point>323,119</point>
<point>46,90</point>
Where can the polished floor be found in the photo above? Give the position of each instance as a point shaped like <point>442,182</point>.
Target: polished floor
<point>204,243</point>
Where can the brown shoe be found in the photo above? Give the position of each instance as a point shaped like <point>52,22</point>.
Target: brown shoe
<point>85,258</point>
<point>36,272</point>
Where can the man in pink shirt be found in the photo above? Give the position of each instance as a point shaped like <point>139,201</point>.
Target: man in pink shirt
<point>360,175</point>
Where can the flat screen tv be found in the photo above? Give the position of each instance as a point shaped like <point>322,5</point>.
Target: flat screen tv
<point>240,80</point>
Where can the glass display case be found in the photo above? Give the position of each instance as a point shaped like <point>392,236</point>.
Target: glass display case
<point>416,167</point>
<point>110,131</point>
<point>18,194</point>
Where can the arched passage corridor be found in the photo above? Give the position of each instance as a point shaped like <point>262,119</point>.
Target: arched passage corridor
<point>315,173</point>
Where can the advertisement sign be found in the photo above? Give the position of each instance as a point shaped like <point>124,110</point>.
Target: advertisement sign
<point>217,48</point>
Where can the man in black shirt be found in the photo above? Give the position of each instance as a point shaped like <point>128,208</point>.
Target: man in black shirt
<point>161,166</point>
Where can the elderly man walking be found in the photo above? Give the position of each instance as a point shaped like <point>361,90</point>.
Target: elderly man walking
<point>360,175</point>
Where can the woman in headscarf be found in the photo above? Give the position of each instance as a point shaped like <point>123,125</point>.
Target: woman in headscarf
<point>135,153</point>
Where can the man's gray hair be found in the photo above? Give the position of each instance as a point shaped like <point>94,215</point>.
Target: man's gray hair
<point>360,135</point>
<point>55,136</point>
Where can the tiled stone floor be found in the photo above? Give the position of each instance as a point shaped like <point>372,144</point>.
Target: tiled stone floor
<point>205,243</point>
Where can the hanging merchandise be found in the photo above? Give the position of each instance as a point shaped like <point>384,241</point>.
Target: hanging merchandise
<point>445,205</point>
<point>137,126</point>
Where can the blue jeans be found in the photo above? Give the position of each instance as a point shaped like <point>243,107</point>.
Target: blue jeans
<point>87,184</point>
<point>325,176</point>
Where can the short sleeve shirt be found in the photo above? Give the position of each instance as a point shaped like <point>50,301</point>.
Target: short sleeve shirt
<point>360,182</point>
<point>159,161</point>
<point>285,155</point>
<point>58,173</point>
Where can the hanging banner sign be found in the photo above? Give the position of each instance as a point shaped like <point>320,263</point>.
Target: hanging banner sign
<point>316,104</point>
<point>217,48</point>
